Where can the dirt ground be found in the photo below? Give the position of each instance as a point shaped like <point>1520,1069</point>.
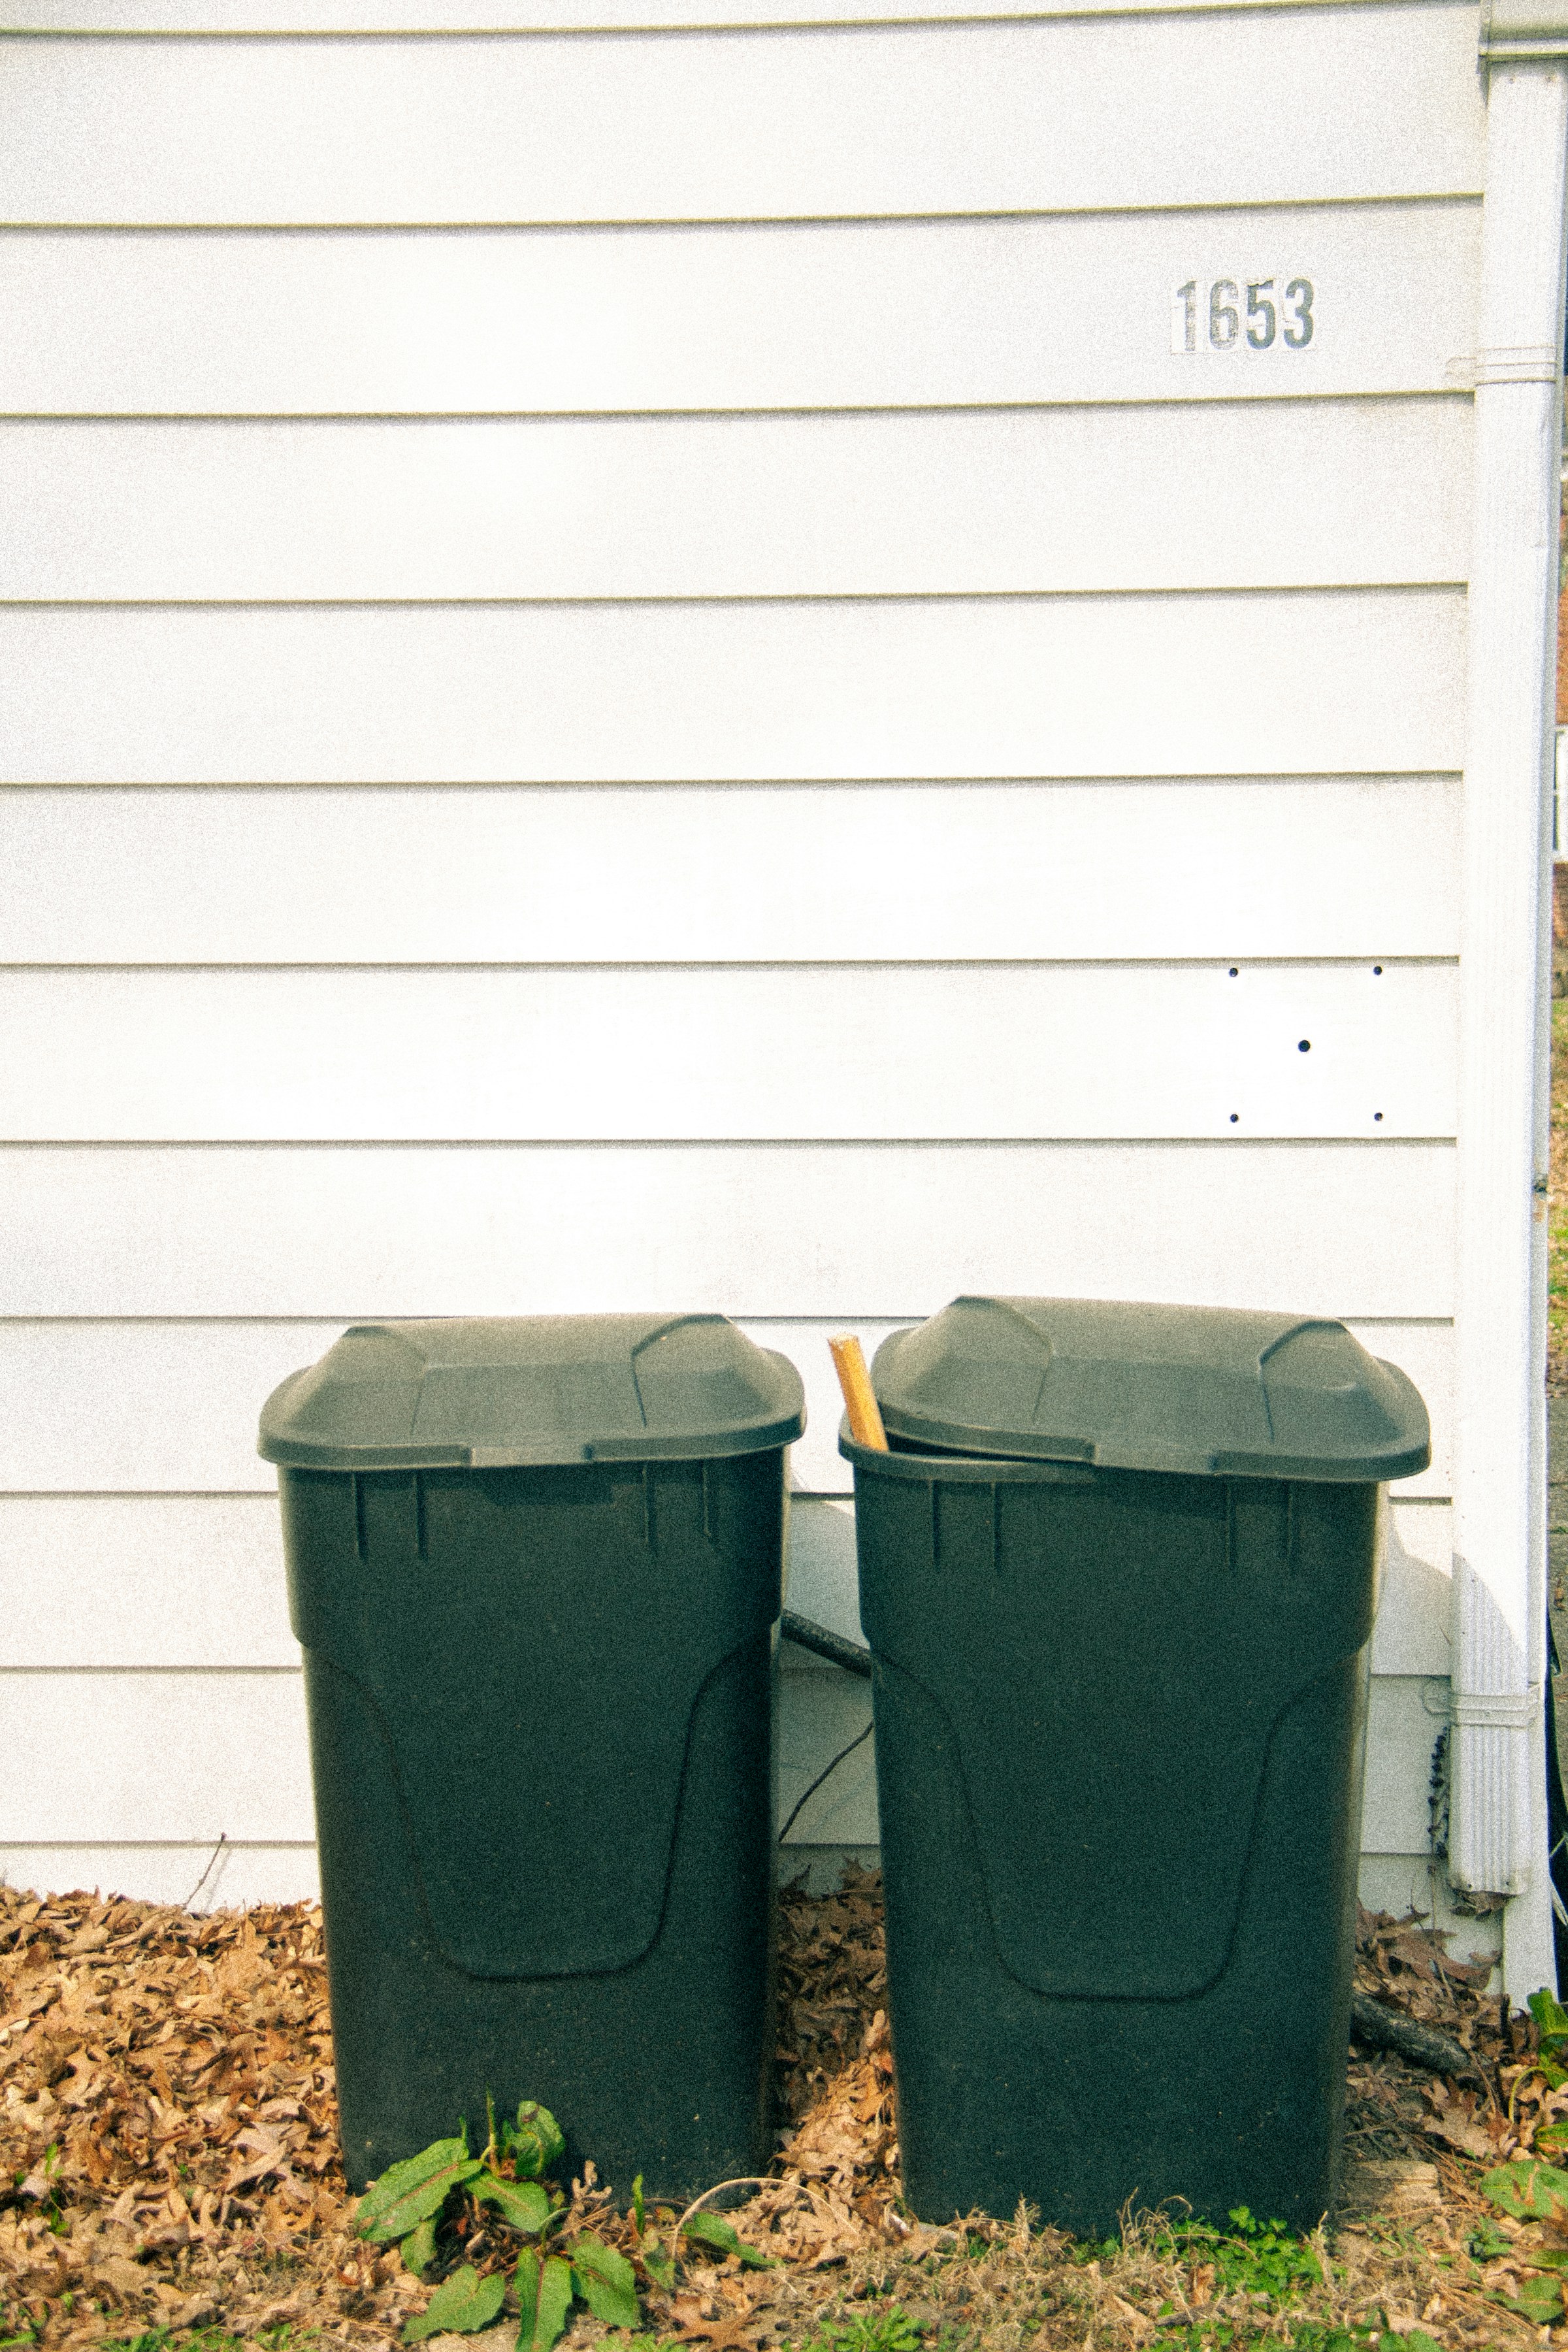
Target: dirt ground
<point>171,2173</point>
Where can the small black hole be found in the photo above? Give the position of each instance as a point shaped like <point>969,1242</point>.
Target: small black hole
<point>1233,971</point>
<point>1377,1114</point>
<point>1305,1046</point>
<point>1377,969</point>
<point>1236,1115</point>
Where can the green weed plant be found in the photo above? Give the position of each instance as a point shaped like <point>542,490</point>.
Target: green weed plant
<point>409,2203</point>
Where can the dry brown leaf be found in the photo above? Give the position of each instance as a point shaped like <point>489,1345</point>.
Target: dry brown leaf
<point>1469,2138</point>
<point>183,2066</point>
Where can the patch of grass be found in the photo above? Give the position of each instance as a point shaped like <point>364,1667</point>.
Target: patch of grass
<point>278,2338</point>
<point>892,2330</point>
<point>1253,2258</point>
<point>1227,2336</point>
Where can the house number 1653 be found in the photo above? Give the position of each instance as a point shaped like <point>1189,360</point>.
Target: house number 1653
<point>1248,314</point>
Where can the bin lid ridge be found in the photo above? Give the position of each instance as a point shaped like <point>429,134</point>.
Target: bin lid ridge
<point>495,1392</point>
<point>1204,1390</point>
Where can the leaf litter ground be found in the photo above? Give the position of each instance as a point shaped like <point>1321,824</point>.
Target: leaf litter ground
<point>171,2175</point>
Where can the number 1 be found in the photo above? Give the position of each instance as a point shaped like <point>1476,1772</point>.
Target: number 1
<point>1184,316</point>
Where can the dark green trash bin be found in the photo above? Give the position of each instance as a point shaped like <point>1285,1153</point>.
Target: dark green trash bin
<point>534,1566</point>
<point>1117,1574</point>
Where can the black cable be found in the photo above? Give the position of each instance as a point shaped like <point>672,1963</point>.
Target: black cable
<point>823,1775</point>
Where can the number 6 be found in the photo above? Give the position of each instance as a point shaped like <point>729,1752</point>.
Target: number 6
<point>1225,325</point>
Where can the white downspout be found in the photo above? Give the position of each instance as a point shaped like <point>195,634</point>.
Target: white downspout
<point>1496,1830</point>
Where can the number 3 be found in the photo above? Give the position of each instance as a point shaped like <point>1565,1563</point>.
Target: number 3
<point>1298,322</point>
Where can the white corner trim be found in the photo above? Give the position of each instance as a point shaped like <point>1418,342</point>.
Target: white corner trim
<point>1495,1840</point>
<point>1520,364</point>
<point>1496,1710</point>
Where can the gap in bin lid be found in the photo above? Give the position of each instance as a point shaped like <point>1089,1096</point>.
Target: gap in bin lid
<point>1212,1389</point>
<point>492,1391</point>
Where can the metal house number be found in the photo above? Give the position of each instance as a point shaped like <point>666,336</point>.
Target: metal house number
<point>1248,314</point>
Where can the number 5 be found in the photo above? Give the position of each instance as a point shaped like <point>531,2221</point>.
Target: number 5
<point>1257,309</point>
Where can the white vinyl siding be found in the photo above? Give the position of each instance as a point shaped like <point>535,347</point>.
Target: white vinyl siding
<point>973,501</point>
<point>694,707</point>
<point>1070,116</point>
<point>1358,866</point>
<point>942,1052</point>
<point>855,314</point>
<point>1357,679</point>
<point>765,1228</point>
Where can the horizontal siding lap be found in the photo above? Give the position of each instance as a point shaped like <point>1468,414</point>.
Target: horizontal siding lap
<point>901,314</point>
<point>1072,685</point>
<point>159,1413</point>
<point>173,1758</point>
<point>459,1230</point>
<point>823,1582</point>
<point>337,18</point>
<point>196,1580</point>
<point>128,1581</point>
<point>967,116</point>
<point>1414,1612</point>
<point>1235,494</point>
<point>179,1763</point>
<point>237,1875</point>
<point>1133,1051</point>
<point>181,1760</point>
<point>1278,866</point>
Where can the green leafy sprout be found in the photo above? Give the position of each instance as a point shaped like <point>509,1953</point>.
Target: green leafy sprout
<point>1552,2021</point>
<point>407,2205</point>
<point>1530,2191</point>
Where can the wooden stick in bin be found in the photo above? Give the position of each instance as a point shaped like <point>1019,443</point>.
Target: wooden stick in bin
<point>859,1397</point>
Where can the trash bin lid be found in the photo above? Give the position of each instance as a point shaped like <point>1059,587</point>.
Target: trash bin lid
<point>1206,1389</point>
<point>492,1391</point>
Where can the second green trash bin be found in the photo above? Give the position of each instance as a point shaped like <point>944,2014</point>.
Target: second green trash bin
<point>1118,1573</point>
<point>534,1566</point>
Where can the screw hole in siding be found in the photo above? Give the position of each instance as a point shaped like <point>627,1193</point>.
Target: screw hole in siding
<point>1235,1116</point>
<point>1377,971</point>
<point>1233,971</point>
<point>1305,1046</point>
<point>1377,1115</point>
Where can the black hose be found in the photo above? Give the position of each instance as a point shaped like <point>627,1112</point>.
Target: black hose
<point>810,1636</point>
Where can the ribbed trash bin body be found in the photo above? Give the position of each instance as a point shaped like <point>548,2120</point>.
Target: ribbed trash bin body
<point>535,1569</point>
<point>1120,1682</point>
